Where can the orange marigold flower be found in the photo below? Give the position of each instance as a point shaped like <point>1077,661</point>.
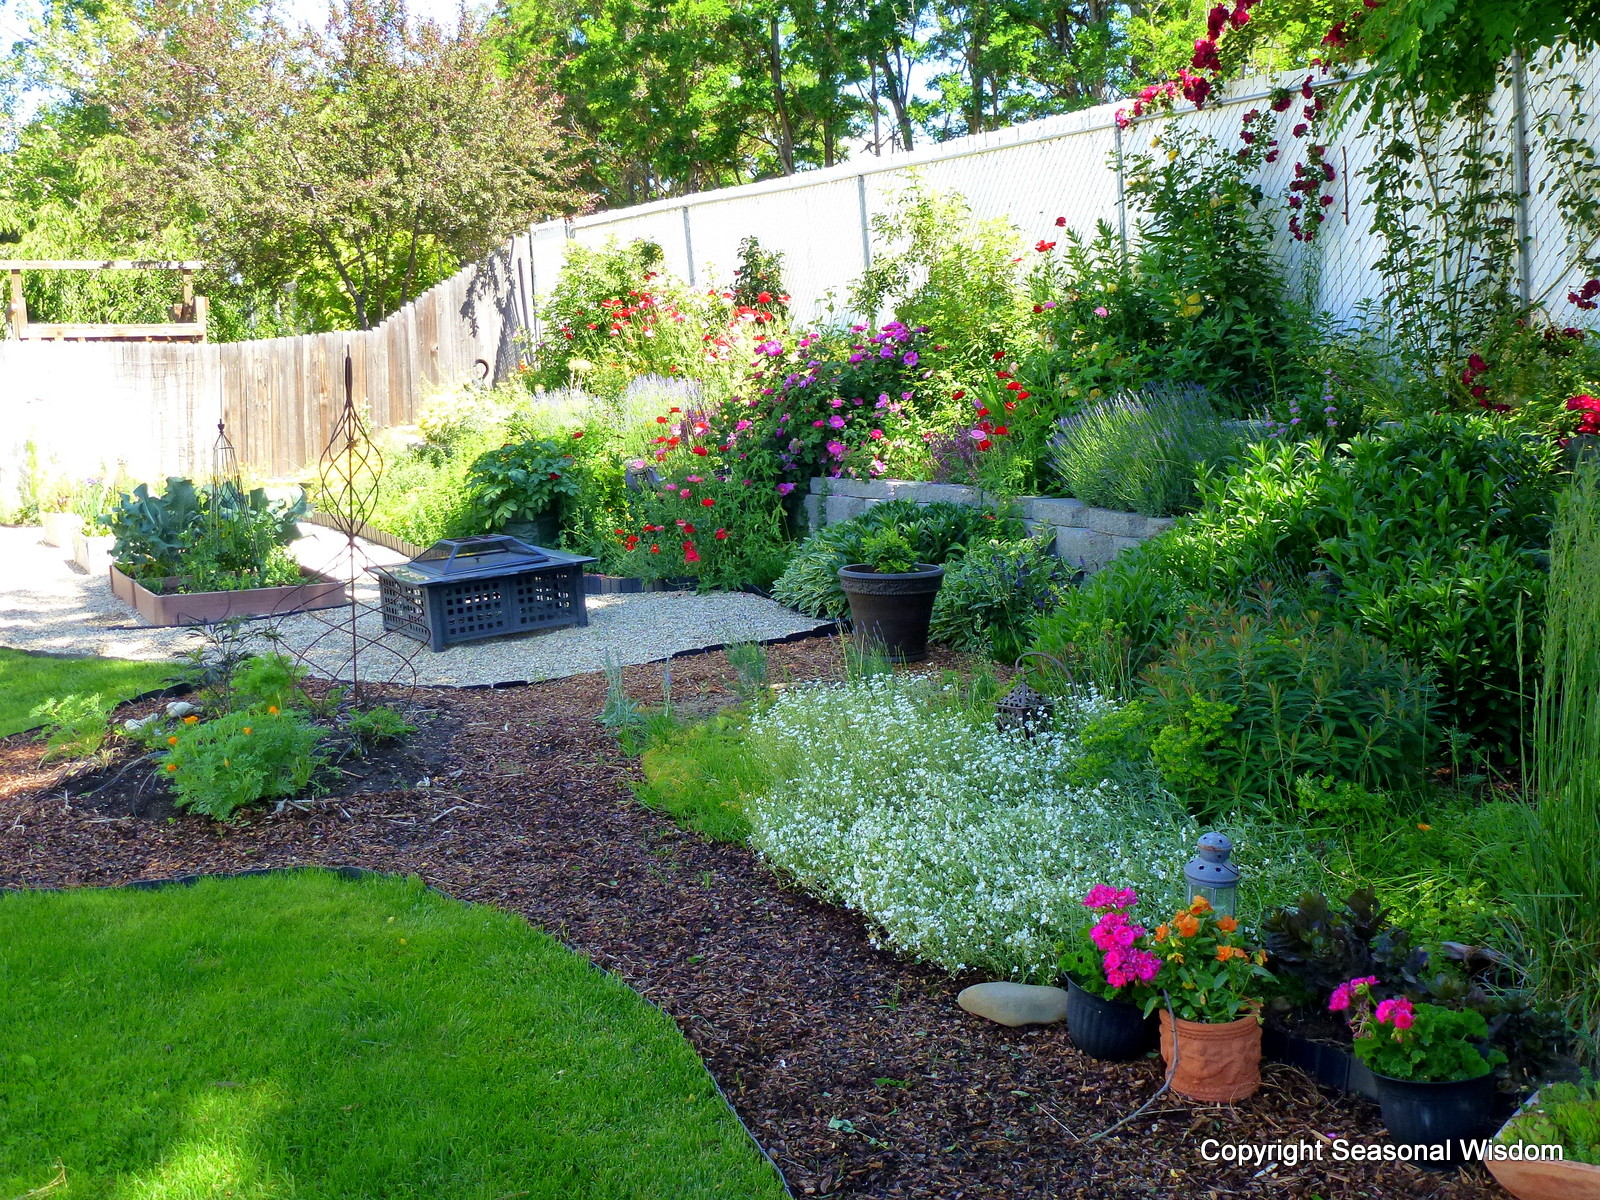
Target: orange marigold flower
<point>190,720</point>
<point>172,766</point>
<point>1188,926</point>
<point>1200,907</point>
<point>1424,826</point>
<point>273,709</point>
<point>247,729</point>
<point>1227,924</point>
<point>173,740</point>
<point>1224,953</point>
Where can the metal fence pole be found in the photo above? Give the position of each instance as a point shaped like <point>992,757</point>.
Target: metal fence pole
<point>1519,160</point>
<point>688,244</point>
<point>866,238</point>
<point>1122,195</point>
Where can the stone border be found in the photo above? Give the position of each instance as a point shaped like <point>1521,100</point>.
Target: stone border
<point>1081,534</point>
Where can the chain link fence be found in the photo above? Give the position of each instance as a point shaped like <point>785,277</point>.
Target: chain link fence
<point>1535,151</point>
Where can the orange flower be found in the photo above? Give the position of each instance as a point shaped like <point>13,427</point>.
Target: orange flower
<point>172,766</point>
<point>1224,953</point>
<point>273,709</point>
<point>190,720</point>
<point>1162,931</point>
<point>173,740</point>
<point>247,729</point>
<point>1227,924</point>
<point>1424,826</point>
<point>1200,907</point>
<point>1188,926</point>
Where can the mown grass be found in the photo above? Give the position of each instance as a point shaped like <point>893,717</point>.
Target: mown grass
<point>305,1036</point>
<point>28,680</point>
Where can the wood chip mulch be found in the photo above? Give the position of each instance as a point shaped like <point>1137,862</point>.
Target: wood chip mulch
<point>854,1069</point>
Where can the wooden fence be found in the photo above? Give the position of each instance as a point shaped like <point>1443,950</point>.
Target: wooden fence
<point>80,409</point>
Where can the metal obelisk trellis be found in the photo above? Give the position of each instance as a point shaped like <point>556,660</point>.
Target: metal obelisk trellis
<point>348,476</point>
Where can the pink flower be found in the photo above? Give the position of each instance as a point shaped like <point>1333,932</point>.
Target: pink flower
<point>1397,1012</point>
<point>1102,311</point>
<point>876,435</point>
<point>683,494</point>
<point>1104,896</point>
<point>837,422</point>
<point>785,488</point>
<point>836,449</point>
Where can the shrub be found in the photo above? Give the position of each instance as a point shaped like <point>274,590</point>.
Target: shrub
<point>1242,706</point>
<point>966,847</point>
<point>992,593</point>
<point>937,532</point>
<point>1142,452</point>
<point>377,725</point>
<point>520,481</point>
<point>264,681</point>
<point>73,726</point>
<point>218,767</point>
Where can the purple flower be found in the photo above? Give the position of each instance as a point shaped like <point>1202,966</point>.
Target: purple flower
<point>836,449</point>
<point>785,488</point>
<point>910,358</point>
<point>836,421</point>
<point>855,358</point>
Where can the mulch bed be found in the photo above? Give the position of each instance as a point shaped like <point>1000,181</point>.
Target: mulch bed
<point>854,1069</point>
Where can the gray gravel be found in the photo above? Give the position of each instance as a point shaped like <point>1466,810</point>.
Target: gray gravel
<point>47,603</point>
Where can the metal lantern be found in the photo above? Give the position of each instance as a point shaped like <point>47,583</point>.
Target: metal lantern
<point>1211,876</point>
<point>1022,709</point>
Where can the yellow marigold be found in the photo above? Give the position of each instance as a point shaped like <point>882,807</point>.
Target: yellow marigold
<point>1188,926</point>
<point>1261,958</point>
<point>1227,924</point>
<point>190,720</point>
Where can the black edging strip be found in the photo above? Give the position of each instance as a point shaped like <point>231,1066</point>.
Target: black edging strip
<point>355,874</point>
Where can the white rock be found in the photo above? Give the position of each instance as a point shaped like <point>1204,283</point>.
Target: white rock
<point>181,708</point>
<point>1015,1004</point>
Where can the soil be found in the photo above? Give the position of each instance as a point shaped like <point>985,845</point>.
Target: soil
<point>854,1069</point>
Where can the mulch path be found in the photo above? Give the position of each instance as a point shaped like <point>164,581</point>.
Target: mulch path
<point>854,1069</point>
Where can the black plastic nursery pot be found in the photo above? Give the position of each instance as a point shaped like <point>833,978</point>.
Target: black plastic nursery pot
<point>1108,1029</point>
<point>1419,1113</point>
<point>890,612</point>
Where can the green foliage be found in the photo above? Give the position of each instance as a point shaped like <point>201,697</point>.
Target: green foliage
<point>35,679</point>
<point>266,681</point>
<point>937,266</point>
<point>519,482</point>
<point>992,593</point>
<point>1242,705</point>
<point>219,766</point>
<point>1564,1114</point>
<point>937,532</point>
<point>703,775</point>
<point>334,1038</point>
<point>1549,862</point>
<point>1142,452</point>
<point>1440,1047</point>
<point>212,538</point>
<point>758,279</point>
<point>749,663</point>
<point>377,725</point>
<point>423,493</point>
<point>888,551</point>
<point>73,726</point>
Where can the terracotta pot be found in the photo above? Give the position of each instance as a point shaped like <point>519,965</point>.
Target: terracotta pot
<point>1545,1180</point>
<point>1220,1063</point>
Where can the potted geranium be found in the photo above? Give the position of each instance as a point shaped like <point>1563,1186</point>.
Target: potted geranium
<point>1435,1084</point>
<point>891,596</point>
<point>1107,974</point>
<point>1210,997</point>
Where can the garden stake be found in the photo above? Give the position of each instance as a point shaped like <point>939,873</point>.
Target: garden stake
<point>1172,1069</point>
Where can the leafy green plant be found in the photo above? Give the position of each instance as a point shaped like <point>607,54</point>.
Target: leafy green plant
<point>1142,452</point>
<point>377,725</point>
<point>215,537</point>
<point>1242,705</point>
<point>937,532</point>
<point>73,726</point>
<point>521,481</point>
<point>266,681</point>
<point>1402,1040</point>
<point>1563,1114</point>
<point>888,551</point>
<point>992,593</point>
<point>218,767</point>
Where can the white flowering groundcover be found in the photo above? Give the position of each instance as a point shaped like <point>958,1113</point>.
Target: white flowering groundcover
<point>967,847</point>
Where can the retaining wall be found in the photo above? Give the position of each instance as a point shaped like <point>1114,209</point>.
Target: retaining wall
<point>1082,534</point>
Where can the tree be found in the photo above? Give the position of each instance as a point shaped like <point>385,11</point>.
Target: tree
<point>357,166</point>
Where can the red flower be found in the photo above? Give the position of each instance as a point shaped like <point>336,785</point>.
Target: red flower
<point>655,547</point>
<point>620,532</point>
<point>1013,386</point>
<point>708,502</point>
<point>1011,405</point>
<point>998,355</point>
<point>555,475</point>
<point>1061,222</point>
<point>1038,308</point>
<point>764,298</point>
<point>721,535</point>
<point>985,444</point>
<point>690,554</point>
<point>661,420</point>
<point>700,450</point>
<point>1044,246</point>
<point>1023,395</point>
<point>1001,430</point>
<point>577,434</point>
<point>983,412</point>
<point>1215,20</point>
<point>958,394</point>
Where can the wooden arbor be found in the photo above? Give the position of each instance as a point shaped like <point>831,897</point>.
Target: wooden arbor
<point>188,322</point>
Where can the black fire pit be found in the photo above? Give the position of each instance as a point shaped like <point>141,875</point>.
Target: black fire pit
<point>461,589</point>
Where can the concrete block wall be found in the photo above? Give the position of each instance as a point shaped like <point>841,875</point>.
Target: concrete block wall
<point>1082,534</point>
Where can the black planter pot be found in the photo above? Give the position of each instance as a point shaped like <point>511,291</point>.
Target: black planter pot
<point>1108,1029</point>
<point>544,530</point>
<point>890,612</point>
<point>1437,1114</point>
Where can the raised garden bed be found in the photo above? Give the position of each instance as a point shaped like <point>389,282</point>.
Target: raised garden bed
<point>205,608</point>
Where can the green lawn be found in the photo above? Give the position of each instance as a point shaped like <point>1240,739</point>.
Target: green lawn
<point>28,680</point>
<point>305,1036</point>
